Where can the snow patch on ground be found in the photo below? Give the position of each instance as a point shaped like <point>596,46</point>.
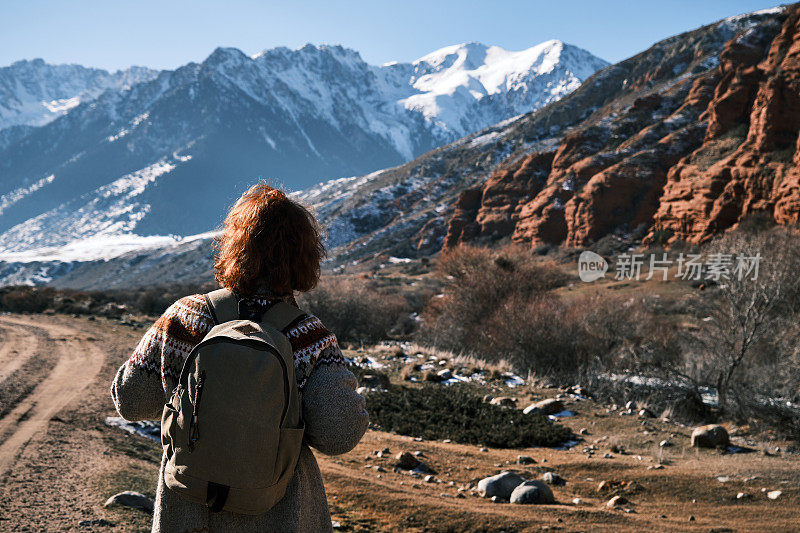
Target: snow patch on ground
<point>146,428</point>
<point>110,211</point>
<point>101,247</point>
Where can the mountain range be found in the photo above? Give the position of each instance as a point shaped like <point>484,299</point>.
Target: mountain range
<point>168,155</point>
<point>678,142</point>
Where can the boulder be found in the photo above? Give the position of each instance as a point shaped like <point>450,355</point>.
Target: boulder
<point>710,436</point>
<point>500,485</point>
<point>133,499</point>
<point>551,478</point>
<point>525,460</point>
<point>550,406</point>
<point>532,492</point>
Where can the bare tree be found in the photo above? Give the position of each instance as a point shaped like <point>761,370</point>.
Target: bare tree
<point>758,277</point>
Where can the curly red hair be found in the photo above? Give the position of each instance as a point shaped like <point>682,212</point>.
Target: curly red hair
<point>268,241</point>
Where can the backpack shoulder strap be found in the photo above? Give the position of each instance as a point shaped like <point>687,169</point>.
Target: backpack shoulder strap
<point>282,316</point>
<point>223,305</point>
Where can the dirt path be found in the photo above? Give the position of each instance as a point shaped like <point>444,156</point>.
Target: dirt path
<point>79,361</point>
<point>17,345</point>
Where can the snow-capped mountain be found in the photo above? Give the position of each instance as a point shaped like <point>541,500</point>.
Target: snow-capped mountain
<point>464,88</point>
<point>33,93</point>
<point>169,154</point>
<point>473,186</point>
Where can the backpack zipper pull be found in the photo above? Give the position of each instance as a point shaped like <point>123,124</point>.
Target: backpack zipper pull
<point>194,432</point>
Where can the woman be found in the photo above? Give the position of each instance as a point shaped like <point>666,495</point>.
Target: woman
<point>269,248</point>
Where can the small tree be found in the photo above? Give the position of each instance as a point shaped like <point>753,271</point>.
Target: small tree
<point>755,298</point>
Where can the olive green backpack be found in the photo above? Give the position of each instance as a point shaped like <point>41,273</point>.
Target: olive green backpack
<point>232,429</point>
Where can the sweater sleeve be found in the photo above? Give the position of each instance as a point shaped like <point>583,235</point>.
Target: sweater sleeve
<point>141,385</point>
<point>334,413</point>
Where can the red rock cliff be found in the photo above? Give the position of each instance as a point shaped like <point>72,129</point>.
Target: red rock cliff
<point>686,156</point>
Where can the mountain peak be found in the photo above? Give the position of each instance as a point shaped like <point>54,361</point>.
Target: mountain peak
<point>225,54</point>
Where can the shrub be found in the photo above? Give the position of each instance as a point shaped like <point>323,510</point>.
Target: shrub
<point>455,412</point>
<point>499,306</point>
<point>26,299</point>
<point>480,281</point>
<point>353,310</point>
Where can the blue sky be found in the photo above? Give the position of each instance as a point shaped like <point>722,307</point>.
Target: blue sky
<point>169,33</point>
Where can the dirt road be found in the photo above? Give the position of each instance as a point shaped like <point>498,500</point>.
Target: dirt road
<point>59,462</point>
<point>78,362</point>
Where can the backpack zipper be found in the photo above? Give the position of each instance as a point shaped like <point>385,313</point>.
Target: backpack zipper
<point>194,432</point>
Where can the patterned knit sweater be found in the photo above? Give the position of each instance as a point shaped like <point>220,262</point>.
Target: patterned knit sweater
<point>332,411</point>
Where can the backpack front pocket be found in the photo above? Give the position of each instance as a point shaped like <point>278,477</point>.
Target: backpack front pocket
<point>290,441</point>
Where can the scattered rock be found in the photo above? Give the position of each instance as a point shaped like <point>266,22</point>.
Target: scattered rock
<point>525,460</point>
<point>774,494</point>
<point>504,401</point>
<point>646,413</point>
<point>691,518</point>
<point>445,374</point>
<point>742,496</point>
<point>551,478</point>
<point>710,436</point>
<point>550,406</point>
<point>577,501</point>
<point>583,431</point>
<point>532,492</point>
<point>484,449</point>
<point>617,501</point>
<point>406,461</point>
<point>429,478</point>
<point>500,485</point>
<point>133,499</point>
<point>488,398</point>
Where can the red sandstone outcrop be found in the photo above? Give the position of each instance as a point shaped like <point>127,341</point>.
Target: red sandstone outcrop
<point>688,157</point>
<point>748,161</point>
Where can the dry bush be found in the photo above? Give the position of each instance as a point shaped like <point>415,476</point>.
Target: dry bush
<point>479,282</point>
<point>498,305</point>
<point>354,311</point>
<point>26,299</point>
